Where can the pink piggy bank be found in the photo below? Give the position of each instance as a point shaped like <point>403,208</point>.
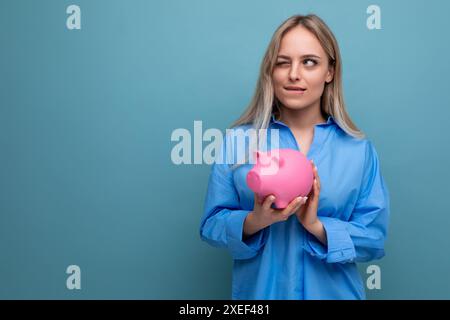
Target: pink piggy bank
<point>285,173</point>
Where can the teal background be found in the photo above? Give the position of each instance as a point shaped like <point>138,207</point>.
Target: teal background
<point>86,118</point>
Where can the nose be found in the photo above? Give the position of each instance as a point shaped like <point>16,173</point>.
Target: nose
<point>294,74</point>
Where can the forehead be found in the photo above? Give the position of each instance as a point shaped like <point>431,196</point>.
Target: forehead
<point>300,41</point>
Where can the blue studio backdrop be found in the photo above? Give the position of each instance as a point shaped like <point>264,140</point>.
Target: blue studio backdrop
<point>91,92</point>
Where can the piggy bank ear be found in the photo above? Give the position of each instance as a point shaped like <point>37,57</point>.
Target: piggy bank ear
<point>279,161</point>
<point>256,156</point>
<point>262,158</point>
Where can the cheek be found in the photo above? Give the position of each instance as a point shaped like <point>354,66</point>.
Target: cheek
<point>278,78</point>
<point>278,81</point>
<point>315,82</point>
<point>315,79</point>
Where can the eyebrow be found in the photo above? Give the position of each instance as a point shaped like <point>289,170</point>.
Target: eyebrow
<point>304,56</point>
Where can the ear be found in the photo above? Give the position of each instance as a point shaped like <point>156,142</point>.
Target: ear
<point>259,157</point>
<point>279,161</point>
<point>330,73</point>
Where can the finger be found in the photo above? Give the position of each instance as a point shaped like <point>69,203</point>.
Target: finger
<point>301,207</point>
<point>292,206</point>
<point>300,204</point>
<point>257,199</point>
<point>291,209</point>
<point>317,179</point>
<point>305,199</point>
<point>316,189</point>
<point>268,202</point>
<point>316,173</point>
<point>314,168</point>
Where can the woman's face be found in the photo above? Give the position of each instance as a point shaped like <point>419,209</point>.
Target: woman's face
<point>301,63</point>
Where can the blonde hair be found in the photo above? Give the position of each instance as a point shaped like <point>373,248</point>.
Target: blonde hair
<point>264,102</point>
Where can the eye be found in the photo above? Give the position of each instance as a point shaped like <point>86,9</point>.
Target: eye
<point>312,62</point>
<point>282,63</point>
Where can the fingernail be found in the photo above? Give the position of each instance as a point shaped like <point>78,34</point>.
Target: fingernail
<point>305,199</point>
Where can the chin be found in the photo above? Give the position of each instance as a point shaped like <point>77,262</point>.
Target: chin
<point>294,105</point>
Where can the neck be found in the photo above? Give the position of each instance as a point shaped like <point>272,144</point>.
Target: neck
<point>302,119</point>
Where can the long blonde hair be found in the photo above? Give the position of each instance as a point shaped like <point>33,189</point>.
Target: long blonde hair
<point>264,102</point>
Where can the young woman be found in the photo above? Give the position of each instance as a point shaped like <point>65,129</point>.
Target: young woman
<point>309,249</point>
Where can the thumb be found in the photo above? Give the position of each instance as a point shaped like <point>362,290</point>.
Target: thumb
<point>257,199</point>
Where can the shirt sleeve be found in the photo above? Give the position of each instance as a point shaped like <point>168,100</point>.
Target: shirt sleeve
<point>223,219</point>
<point>362,238</point>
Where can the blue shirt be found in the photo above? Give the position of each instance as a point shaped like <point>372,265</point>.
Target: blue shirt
<point>283,260</point>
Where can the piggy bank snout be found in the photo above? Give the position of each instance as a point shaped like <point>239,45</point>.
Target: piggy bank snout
<point>254,181</point>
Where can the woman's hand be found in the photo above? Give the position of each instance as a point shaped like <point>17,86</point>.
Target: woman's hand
<point>307,214</point>
<point>264,215</point>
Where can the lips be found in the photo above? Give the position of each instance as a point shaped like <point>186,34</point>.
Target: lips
<point>294,88</point>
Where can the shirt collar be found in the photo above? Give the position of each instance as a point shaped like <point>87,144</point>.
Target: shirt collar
<point>330,121</point>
